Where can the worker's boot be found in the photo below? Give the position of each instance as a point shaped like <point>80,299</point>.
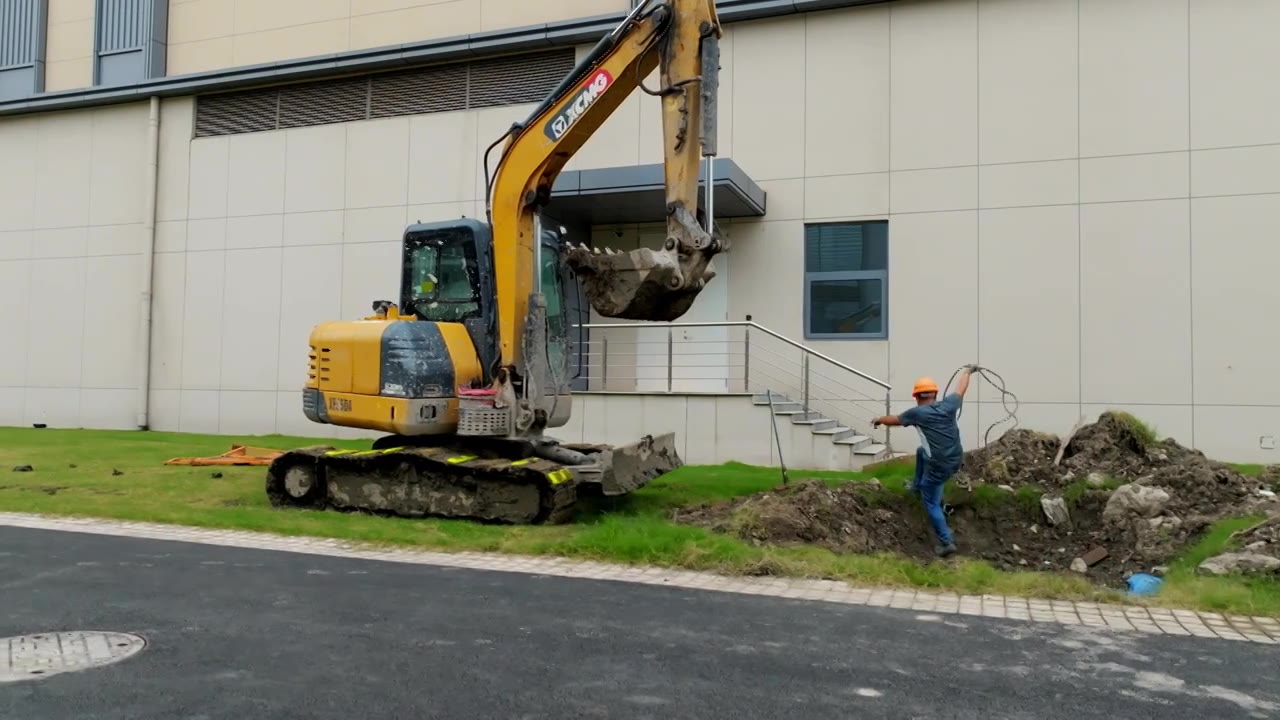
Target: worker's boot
<point>945,551</point>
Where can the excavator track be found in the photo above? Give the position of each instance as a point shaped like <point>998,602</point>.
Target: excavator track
<point>415,482</point>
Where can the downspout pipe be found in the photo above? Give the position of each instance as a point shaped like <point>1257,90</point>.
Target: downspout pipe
<point>148,265</point>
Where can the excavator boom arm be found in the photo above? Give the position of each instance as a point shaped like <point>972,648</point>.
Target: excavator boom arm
<point>681,38</point>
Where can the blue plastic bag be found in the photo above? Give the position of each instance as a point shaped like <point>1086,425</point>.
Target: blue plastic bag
<point>1144,584</point>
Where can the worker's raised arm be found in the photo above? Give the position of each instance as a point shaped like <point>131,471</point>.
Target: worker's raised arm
<point>962,385</point>
<point>892,420</point>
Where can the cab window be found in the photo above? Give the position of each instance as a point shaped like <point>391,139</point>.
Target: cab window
<point>443,278</point>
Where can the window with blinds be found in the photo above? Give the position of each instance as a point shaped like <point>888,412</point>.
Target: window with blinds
<point>438,88</point>
<point>22,27</point>
<point>846,269</point>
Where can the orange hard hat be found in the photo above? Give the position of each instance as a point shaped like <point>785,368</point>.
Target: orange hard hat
<point>924,385</point>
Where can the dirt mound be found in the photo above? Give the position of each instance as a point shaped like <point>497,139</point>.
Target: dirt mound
<point>1117,502</point>
<point>853,517</point>
<point>1019,458</point>
<point>1262,538</point>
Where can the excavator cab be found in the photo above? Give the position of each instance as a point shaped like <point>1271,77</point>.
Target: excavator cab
<point>448,277</point>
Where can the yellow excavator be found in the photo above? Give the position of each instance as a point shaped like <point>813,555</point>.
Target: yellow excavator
<point>470,368</point>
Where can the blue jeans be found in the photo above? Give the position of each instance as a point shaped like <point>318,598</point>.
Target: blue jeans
<point>929,479</point>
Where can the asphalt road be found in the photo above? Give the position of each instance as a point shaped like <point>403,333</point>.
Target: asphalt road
<point>247,634</point>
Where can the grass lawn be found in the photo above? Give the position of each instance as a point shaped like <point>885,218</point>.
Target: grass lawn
<point>74,476</point>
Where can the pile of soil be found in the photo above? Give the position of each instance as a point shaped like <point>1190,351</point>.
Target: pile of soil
<point>1263,538</point>
<point>1131,505</point>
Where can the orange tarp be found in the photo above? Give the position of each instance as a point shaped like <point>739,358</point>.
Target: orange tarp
<point>237,455</point>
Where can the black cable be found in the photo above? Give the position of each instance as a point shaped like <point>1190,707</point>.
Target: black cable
<point>994,379</point>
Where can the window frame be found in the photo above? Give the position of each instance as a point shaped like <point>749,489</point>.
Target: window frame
<point>811,277</point>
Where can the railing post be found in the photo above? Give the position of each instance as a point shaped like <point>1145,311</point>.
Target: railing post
<point>888,410</point>
<point>604,361</point>
<point>805,381</point>
<point>670,354</point>
<point>746,360</point>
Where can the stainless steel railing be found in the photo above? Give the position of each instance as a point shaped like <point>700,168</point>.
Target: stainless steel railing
<point>728,357</point>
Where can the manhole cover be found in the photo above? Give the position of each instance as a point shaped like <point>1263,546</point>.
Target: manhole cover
<point>32,657</point>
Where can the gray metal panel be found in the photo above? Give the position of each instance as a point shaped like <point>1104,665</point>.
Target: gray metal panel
<point>120,68</point>
<point>129,40</point>
<point>17,82</point>
<point>559,33</point>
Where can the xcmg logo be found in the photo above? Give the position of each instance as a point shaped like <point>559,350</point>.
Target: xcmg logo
<point>585,98</point>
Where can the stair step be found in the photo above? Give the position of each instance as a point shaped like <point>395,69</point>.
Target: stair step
<point>874,449</point>
<point>810,419</point>
<point>854,440</point>
<point>777,399</point>
<point>835,430</point>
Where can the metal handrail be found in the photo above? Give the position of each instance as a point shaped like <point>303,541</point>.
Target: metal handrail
<point>807,398</point>
<point>742,323</point>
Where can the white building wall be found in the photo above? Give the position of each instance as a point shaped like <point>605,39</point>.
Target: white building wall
<point>1081,195</point>
<point>70,236</point>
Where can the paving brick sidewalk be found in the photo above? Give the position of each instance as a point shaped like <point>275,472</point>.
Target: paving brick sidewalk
<point>1116,617</point>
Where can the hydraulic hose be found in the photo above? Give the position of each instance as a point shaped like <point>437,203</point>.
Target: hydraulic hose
<point>994,380</point>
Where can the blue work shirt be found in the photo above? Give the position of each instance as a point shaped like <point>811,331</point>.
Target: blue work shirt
<point>939,432</point>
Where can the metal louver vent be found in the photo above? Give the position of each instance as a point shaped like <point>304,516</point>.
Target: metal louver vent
<point>439,88</point>
<point>322,103</point>
<point>233,113</point>
<point>518,79</point>
<point>426,90</point>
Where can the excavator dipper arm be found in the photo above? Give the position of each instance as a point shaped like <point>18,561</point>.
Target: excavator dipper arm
<point>679,37</point>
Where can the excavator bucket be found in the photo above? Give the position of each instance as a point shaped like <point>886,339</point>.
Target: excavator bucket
<point>641,284</point>
<point>620,469</point>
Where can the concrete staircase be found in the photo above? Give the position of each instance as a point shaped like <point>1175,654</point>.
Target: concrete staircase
<point>811,441</point>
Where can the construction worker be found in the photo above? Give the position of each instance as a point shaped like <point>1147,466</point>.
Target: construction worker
<point>940,452</point>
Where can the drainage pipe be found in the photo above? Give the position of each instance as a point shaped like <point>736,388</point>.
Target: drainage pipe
<point>148,265</point>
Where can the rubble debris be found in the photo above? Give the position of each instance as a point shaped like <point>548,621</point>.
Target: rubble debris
<point>1247,563</point>
<point>1120,501</point>
<point>1135,501</point>
<point>1095,556</point>
<point>115,472</point>
<point>1080,566</point>
<point>1055,509</point>
<point>24,468</point>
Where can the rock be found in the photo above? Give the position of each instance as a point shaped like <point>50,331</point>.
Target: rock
<point>1095,556</point>
<point>216,475</point>
<point>1035,529</point>
<point>1160,570</point>
<point>1165,522</point>
<point>1079,565</point>
<point>24,468</point>
<point>1096,479</point>
<point>116,473</point>
<point>1135,500</point>
<point>1006,488</point>
<point>1016,548</point>
<point>1247,563</point>
<point>1055,509</point>
<point>1256,546</point>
